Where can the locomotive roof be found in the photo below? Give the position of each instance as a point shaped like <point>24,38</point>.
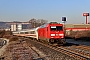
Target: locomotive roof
<point>45,25</point>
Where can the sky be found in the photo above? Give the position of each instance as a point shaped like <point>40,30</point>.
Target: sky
<point>51,10</point>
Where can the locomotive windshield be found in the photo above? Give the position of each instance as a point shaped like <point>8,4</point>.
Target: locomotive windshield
<point>57,28</point>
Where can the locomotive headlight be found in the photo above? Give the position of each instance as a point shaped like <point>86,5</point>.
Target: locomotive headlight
<point>52,34</point>
<point>61,34</point>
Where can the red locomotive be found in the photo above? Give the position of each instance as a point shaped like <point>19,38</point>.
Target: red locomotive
<point>52,32</point>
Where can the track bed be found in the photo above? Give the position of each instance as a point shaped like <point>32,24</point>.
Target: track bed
<point>62,52</point>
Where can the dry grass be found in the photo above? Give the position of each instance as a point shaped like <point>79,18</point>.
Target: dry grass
<point>80,34</point>
<point>7,36</point>
<point>13,38</point>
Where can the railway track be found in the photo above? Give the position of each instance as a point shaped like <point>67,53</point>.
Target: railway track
<point>76,52</point>
<point>81,50</point>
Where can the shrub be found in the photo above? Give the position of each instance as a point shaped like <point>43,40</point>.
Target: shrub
<point>7,36</point>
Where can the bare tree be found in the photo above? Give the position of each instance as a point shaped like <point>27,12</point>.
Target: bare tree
<point>36,23</point>
<point>32,20</point>
<point>41,22</point>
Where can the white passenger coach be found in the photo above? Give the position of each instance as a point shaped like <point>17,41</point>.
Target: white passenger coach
<point>32,33</point>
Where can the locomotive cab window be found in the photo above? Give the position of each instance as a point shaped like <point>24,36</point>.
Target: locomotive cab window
<point>56,28</point>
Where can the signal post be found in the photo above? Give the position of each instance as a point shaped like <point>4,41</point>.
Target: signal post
<point>64,20</point>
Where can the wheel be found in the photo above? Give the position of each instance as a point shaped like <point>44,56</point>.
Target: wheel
<point>62,41</point>
<point>38,40</point>
<point>51,41</point>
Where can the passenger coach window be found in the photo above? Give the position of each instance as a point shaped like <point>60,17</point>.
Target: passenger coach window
<point>22,32</point>
<point>32,32</point>
<point>58,28</point>
<point>26,32</point>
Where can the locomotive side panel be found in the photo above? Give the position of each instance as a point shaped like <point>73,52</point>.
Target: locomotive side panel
<point>43,33</point>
